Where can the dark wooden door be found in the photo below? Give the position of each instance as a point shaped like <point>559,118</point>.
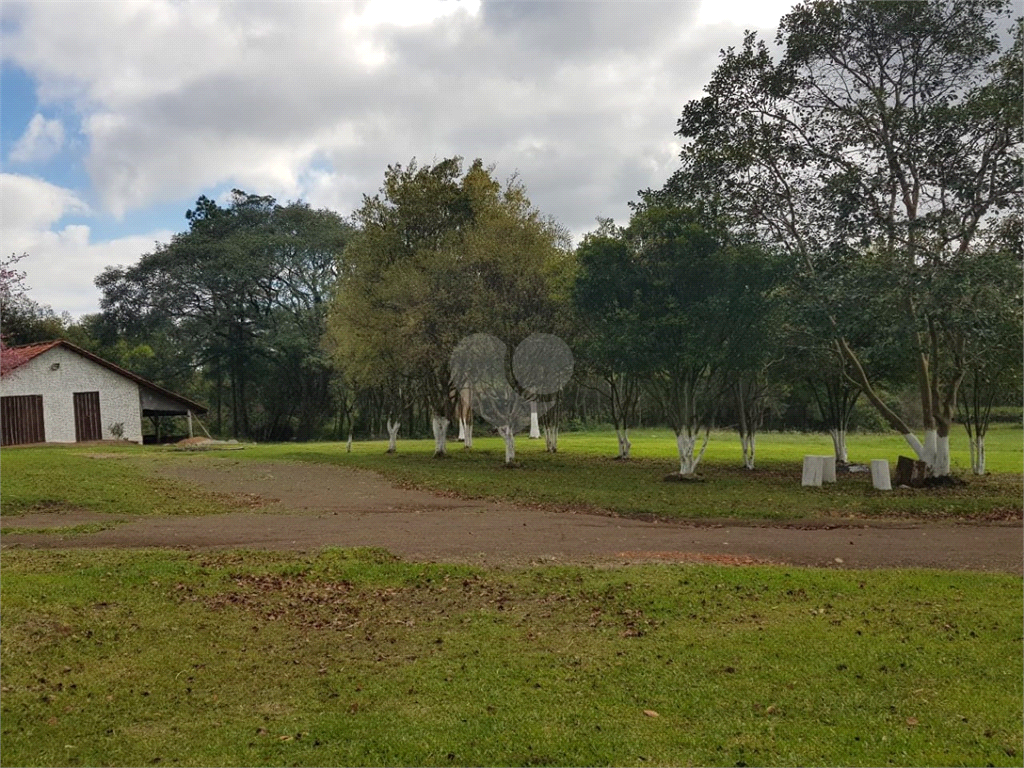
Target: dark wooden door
<point>21,420</point>
<point>88,425</point>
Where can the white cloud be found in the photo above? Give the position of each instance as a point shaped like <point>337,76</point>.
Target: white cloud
<point>28,204</point>
<point>745,14</point>
<point>315,99</point>
<point>42,140</point>
<point>62,264</point>
<point>62,261</point>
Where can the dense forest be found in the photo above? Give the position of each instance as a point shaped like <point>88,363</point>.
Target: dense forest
<point>839,249</point>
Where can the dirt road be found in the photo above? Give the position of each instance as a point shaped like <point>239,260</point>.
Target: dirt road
<point>308,506</point>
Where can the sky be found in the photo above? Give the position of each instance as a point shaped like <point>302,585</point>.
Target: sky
<point>116,116</point>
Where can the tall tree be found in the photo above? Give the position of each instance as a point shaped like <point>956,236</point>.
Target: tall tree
<point>242,295</point>
<point>604,297</point>
<point>441,255</point>
<point>888,131</point>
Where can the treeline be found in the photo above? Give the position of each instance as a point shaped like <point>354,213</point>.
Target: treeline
<point>840,246</point>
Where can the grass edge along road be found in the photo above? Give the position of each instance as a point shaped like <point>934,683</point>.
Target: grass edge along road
<point>581,476</point>
<point>352,657</point>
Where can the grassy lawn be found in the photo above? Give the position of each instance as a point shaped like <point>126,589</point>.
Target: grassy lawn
<point>353,658</point>
<point>581,476</point>
<point>99,479</point>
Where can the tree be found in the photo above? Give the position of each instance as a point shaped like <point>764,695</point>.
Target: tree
<point>889,134</point>
<point>603,298</point>
<point>242,295</point>
<point>692,292</point>
<point>441,255</point>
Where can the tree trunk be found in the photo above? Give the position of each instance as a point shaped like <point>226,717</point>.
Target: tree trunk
<point>509,436</point>
<point>933,452</point>
<point>688,460</point>
<point>393,435</point>
<point>748,444</point>
<point>534,422</point>
<point>624,444</point>
<point>551,437</point>
<point>468,434</point>
<point>439,424</point>
<point>977,445</point>
<point>839,445</point>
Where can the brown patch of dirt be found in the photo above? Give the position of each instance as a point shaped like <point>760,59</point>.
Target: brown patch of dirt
<point>56,518</point>
<point>316,505</point>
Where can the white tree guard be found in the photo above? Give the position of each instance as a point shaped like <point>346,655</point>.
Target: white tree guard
<point>828,469</point>
<point>812,472</point>
<point>880,475</point>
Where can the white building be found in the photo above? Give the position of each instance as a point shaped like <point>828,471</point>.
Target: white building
<point>59,393</point>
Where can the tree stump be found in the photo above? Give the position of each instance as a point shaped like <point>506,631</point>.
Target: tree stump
<point>911,472</point>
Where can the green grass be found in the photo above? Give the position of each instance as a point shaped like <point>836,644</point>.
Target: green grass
<point>56,478</point>
<point>583,475</point>
<point>63,530</point>
<point>353,658</point>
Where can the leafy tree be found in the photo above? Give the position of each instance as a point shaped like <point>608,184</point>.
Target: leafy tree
<point>604,297</point>
<point>242,296</point>
<point>440,255</point>
<point>888,134</point>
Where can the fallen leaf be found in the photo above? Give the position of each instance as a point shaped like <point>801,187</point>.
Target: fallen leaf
<point>285,738</point>
<point>651,713</point>
<point>911,721</point>
<point>52,721</point>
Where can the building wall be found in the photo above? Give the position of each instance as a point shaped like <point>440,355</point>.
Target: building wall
<point>119,397</point>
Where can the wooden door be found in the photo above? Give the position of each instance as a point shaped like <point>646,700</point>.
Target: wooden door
<point>88,425</point>
<point>21,420</point>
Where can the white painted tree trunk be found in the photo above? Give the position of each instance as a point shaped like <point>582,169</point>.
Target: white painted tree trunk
<point>839,445</point>
<point>348,445</point>
<point>462,430</point>
<point>534,422</point>
<point>393,435</point>
<point>467,440</point>
<point>440,427</point>
<point>749,444</point>
<point>624,444</point>
<point>551,438</point>
<point>509,436</point>
<point>977,445</point>
<point>688,460</point>
<point>934,451</point>
<point>941,466</point>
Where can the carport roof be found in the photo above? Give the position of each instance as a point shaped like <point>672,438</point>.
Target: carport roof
<point>12,358</point>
